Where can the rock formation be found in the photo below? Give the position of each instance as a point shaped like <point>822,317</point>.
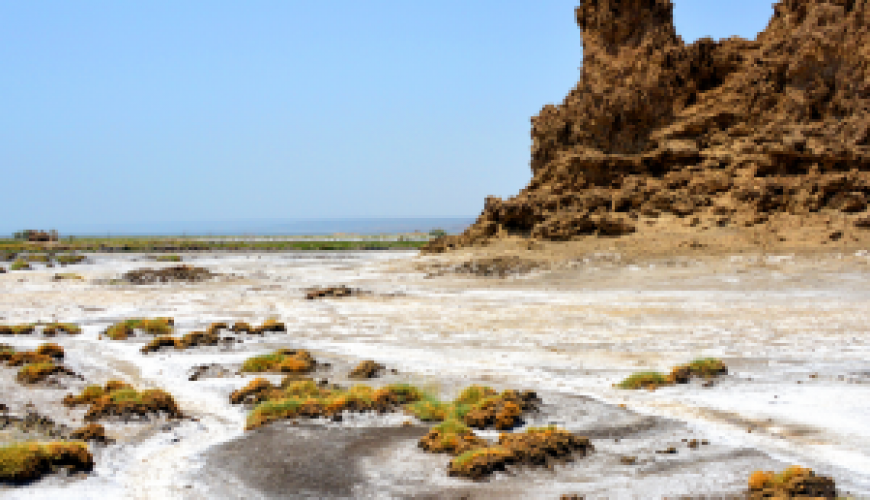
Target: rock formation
<point>732,130</point>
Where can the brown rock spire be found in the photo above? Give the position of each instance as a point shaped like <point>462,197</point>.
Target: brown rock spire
<point>734,129</point>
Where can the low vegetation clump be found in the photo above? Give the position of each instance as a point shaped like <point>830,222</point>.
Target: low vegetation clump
<point>127,328</point>
<point>704,368</point>
<point>333,291</point>
<point>503,411</point>
<point>50,349</point>
<point>67,276</point>
<point>159,343</point>
<point>241,327</point>
<point>644,380</point>
<point>295,399</point>
<point>257,390</point>
<point>214,328</point>
<point>70,259</point>
<point>91,432</point>
<point>366,369</point>
<point>168,258</point>
<point>431,409</point>
<point>92,393</point>
<point>119,399</point>
<point>270,325</point>
<point>480,407</point>
<point>451,436</point>
<point>45,259</point>
<point>53,329</point>
<point>19,265</point>
<point>281,361</point>
<point>6,352</point>
<point>43,354</point>
<point>119,331</point>
<point>536,446</point>
<point>25,462</point>
<point>793,482</point>
<point>17,329</point>
<point>38,372</point>
<point>36,366</point>
<point>191,339</point>
<point>24,358</point>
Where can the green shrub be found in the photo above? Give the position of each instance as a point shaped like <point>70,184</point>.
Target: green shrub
<point>707,367</point>
<point>126,328</point>
<point>67,276</point>
<point>37,372</point>
<point>22,462</point>
<point>473,394</point>
<point>68,328</point>
<point>262,363</point>
<point>69,259</point>
<point>19,265</point>
<point>644,380</point>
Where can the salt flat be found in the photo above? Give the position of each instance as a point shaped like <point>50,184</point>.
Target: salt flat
<point>792,330</point>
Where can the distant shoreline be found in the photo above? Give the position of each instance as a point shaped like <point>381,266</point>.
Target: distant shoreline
<point>179,245</point>
<point>258,228</point>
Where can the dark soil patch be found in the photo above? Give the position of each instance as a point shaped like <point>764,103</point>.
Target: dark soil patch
<point>333,292</point>
<point>34,423</point>
<point>211,370</point>
<point>498,267</point>
<point>316,463</point>
<point>181,273</point>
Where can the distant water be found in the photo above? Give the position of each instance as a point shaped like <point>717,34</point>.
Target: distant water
<point>271,227</point>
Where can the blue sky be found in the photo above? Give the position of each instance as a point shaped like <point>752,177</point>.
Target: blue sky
<point>115,112</point>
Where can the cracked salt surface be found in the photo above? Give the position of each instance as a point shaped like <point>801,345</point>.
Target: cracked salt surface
<point>569,335</point>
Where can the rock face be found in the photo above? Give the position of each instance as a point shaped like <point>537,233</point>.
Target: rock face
<point>734,129</point>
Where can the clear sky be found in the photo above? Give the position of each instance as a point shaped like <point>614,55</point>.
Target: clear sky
<point>149,111</point>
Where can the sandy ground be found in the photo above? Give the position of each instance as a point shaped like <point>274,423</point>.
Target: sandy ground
<point>791,326</point>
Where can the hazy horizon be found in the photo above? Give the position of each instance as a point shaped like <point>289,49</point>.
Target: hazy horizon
<point>264,227</point>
